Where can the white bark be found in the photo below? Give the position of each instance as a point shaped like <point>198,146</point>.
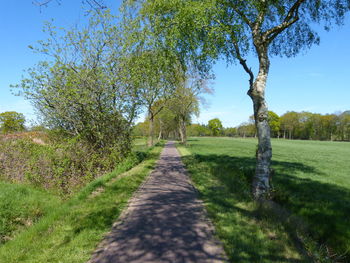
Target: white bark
<point>182,130</point>
<point>261,181</point>
<point>151,130</point>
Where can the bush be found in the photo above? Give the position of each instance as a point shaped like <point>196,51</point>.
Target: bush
<point>64,165</point>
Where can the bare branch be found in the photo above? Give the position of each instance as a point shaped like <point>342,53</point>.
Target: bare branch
<point>243,62</point>
<point>96,4</point>
<point>41,3</point>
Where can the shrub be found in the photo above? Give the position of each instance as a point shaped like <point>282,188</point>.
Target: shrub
<point>63,165</point>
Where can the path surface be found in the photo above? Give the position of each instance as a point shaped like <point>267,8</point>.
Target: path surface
<point>165,222</point>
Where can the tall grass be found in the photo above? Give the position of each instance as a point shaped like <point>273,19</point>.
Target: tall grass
<point>21,206</point>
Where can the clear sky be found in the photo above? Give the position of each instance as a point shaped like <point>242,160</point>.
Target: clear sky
<point>317,81</point>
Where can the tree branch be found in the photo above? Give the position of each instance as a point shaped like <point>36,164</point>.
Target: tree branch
<point>291,17</point>
<point>94,4</point>
<point>243,62</point>
<point>261,15</point>
<point>242,15</point>
<point>41,3</point>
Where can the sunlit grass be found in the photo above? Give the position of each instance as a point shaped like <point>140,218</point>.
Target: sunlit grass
<point>21,206</point>
<point>311,180</point>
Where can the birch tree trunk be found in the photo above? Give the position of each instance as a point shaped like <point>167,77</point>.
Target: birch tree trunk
<point>160,130</point>
<point>181,135</point>
<point>151,129</point>
<point>261,182</point>
<point>182,130</point>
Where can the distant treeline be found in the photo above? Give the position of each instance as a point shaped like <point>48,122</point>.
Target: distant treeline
<point>291,125</point>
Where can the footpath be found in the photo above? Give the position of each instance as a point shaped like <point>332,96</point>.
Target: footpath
<point>165,222</point>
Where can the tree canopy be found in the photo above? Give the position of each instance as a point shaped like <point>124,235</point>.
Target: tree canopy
<point>215,126</point>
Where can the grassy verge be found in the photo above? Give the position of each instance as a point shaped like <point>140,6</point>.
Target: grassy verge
<point>311,180</point>
<point>72,231</point>
<point>21,206</point>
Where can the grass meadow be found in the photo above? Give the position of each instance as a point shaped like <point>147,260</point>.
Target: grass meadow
<point>311,185</point>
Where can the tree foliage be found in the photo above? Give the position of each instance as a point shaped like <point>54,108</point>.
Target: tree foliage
<point>302,125</point>
<point>81,88</point>
<point>205,30</point>
<point>275,124</point>
<point>11,121</point>
<point>215,126</point>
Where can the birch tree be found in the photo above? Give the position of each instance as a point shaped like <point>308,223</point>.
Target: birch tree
<point>203,31</point>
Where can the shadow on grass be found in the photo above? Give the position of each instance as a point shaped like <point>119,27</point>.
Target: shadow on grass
<point>324,207</point>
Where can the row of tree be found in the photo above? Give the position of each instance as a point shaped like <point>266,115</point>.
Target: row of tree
<point>303,125</point>
<point>291,125</point>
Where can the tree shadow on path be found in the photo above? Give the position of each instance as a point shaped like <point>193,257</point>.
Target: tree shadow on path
<point>164,223</point>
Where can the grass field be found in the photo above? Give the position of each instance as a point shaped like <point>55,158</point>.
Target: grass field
<point>311,180</point>
<point>70,231</point>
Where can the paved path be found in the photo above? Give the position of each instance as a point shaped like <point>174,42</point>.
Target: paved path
<point>164,223</point>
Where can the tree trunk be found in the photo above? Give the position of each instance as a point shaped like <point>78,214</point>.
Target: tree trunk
<point>160,130</point>
<point>151,130</point>
<point>182,130</point>
<point>261,182</point>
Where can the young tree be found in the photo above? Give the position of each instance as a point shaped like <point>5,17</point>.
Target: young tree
<point>215,126</point>
<point>11,121</point>
<point>202,31</point>
<point>166,123</point>
<point>154,73</point>
<point>184,102</point>
<point>275,123</point>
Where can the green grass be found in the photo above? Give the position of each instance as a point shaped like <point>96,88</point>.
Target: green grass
<point>311,180</point>
<point>71,232</point>
<point>21,206</point>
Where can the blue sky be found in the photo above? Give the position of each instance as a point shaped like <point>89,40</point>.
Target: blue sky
<point>316,81</point>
